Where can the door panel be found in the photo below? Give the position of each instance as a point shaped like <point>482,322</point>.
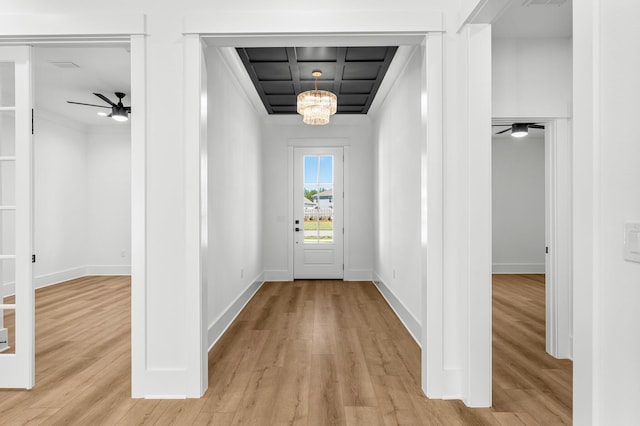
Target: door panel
<point>318,213</point>
<point>16,227</point>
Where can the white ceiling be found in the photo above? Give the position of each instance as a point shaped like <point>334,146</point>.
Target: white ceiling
<point>100,69</point>
<point>529,18</point>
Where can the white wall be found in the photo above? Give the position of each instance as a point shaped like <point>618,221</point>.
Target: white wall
<point>235,196</point>
<point>531,77</point>
<point>607,295</point>
<point>518,205</point>
<point>108,212</point>
<point>398,138</point>
<point>60,199</point>
<point>82,201</point>
<point>354,132</point>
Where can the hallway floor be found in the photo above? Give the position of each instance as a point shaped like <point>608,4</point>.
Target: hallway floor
<point>308,352</point>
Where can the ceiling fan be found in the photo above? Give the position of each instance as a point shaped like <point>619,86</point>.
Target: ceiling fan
<point>519,130</point>
<point>119,112</point>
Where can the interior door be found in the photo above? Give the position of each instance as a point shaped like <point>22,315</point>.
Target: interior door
<point>17,359</point>
<point>318,213</point>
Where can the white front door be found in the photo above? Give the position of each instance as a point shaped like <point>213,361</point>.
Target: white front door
<point>318,205</point>
<point>17,359</point>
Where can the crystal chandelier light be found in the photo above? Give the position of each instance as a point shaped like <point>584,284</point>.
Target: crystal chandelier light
<point>317,105</point>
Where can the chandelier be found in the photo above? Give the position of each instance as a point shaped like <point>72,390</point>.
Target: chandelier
<point>317,105</point>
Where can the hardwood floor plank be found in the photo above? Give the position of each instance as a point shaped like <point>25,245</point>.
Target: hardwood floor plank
<point>325,397</point>
<point>292,400</point>
<point>308,352</point>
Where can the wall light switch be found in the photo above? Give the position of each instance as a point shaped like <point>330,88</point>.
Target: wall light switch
<point>632,241</point>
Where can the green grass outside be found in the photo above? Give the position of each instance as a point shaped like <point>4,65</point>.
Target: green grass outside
<point>325,225</point>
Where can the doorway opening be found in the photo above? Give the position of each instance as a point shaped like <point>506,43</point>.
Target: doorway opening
<point>531,271</point>
<point>81,174</point>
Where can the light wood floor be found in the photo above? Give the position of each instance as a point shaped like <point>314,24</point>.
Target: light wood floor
<point>308,352</point>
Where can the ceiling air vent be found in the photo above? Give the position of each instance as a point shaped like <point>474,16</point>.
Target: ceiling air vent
<point>544,2</point>
<point>65,64</point>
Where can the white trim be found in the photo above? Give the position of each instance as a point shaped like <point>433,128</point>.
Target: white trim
<point>278,275</point>
<point>405,316</point>
<point>312,22</point>
<point>139,382</point>
<point>220,325</point>
<point>108,270</point>
<point>518,268</point>
<point>432,217</point>
<point>236,68</point>
<point>195,247</point>
<point>477,383</point>
<point>587,226</point>
<point>357,274</point>
<point>59,277</point>
<point>32,27</point>
<point>53,278</point>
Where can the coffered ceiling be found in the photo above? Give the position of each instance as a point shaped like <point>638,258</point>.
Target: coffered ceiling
<point>354,74</point>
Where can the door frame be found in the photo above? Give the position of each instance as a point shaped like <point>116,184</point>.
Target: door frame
<point>425,31</point>
<point>84,29</point>
<point>558,231</point>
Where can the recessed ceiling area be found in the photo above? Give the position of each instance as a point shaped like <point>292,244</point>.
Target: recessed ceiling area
<point>354,74</point>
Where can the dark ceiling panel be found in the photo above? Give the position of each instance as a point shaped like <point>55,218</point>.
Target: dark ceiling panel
<point>361,71</point>
<point>312,54</point>
<point>278,88</point>
<point>267,71</point>
<point>366,54</point>
<point>354,74</point>
<point>358,87</point>
<point>267,54</point>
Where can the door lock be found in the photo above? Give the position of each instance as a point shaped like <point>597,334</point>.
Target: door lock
<point>297,229</point>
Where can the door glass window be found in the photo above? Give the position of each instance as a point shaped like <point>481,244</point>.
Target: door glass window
<point>318,199</point>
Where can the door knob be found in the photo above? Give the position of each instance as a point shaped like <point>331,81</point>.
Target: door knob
<point>297,229</point>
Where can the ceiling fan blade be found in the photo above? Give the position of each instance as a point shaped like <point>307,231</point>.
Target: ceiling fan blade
<point>93,105</point>
<point>104,98</point>
<point>504,131</point>
<point>501,125</point>
<point>536,126</point>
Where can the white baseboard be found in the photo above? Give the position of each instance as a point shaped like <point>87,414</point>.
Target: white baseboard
<point>518,268</point>
<point>108,270</point>
<point>410,322</point>
<point>45,280</point>
<point>278,275</point>
<point>357,275</point>
<point>220,324</point>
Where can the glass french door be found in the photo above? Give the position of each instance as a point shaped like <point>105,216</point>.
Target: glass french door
<point>17,360</point>
<point>318,213</point>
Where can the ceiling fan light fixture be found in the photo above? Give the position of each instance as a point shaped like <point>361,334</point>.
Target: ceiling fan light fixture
<point>519,130</point>
<point>119,114</point>
<point>316,106</point>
